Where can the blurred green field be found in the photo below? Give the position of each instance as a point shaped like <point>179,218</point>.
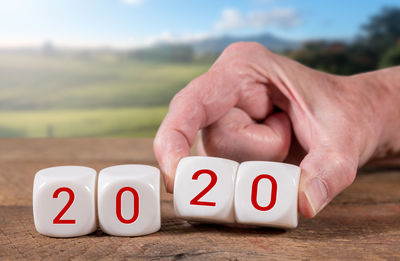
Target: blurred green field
<point>84,94</point>
<point>119,122</point>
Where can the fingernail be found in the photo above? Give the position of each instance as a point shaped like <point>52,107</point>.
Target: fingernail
<point>316,194</point>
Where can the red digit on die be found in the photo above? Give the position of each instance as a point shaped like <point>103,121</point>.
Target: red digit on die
<point>266,194</point>
<point>64,202</point>
<point>129,200</point>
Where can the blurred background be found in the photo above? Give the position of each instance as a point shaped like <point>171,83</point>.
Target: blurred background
<point>86,68</point>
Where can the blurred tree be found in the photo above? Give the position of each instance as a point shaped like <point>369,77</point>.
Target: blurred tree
<point>371,50</point>
<point>380,33</point>
<point>333,57</point>
<point>391,57</point>
<point>383,30</point>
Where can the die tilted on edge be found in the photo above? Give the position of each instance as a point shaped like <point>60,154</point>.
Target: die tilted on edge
<point>129,200</point>
<point>266,194</point>
<point>64,201</point>
<point>204,189</point>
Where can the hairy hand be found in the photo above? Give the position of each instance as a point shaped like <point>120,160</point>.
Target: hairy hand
<point>251,101</point>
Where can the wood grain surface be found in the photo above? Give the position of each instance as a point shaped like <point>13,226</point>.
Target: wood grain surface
<point>362,223</point>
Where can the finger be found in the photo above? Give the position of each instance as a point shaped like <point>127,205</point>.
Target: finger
<point>202,102</point>
<point>236,136</point>
<point>255,100</point>
<point>324,174</point>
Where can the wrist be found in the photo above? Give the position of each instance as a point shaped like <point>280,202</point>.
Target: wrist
<point>381,91</point>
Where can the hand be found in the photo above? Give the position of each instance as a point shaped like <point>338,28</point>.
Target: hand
<point>337,121</point>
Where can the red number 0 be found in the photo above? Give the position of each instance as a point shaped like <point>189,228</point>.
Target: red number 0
<point>195,200</point>
<point>254,192</point>
<point>57,219</point>
<point>135,205</point>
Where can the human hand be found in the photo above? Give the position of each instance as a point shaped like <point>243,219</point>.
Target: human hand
<point>337,121</point>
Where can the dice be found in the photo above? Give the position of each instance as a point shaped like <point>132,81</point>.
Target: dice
<point>266,194</point>
<point>129,200</point>
<point>204,189</point>
<point>128,196</point>
<point>64,202</point>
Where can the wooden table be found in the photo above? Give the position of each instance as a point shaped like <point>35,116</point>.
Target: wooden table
<point>362,223</point>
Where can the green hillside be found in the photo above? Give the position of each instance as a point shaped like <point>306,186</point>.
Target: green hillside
<point>118,122</point>
<point>87,93</point>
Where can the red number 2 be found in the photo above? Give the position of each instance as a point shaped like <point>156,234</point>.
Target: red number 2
<point>254,191</point>
<point>135,205</point>
<point>195,200</point>
<point>57,219</point>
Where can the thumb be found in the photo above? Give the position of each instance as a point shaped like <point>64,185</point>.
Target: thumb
<point>324,174</point>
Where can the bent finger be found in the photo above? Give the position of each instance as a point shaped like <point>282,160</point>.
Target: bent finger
<point>202,102</point>
<point>236,136</point>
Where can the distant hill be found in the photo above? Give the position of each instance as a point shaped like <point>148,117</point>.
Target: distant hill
<point>218,44</point>
<point>184,52</point>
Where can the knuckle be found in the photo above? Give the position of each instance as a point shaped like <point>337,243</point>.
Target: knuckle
<point>177,97</point>
<point>235,47</point>
<point>244,46</point>
<point>240,58</point>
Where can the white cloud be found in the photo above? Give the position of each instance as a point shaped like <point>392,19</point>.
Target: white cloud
<point>279,17</point>
<point>132,2</point>
<point>230,19</point>
<point>168,37</point>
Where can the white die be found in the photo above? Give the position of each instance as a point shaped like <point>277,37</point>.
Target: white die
<point>266,194</point>
<point>204,189</point>
<point>129,200</point>
<point>64,202</point>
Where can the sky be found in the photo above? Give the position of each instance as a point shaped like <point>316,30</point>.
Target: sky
<point>135,23</point>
